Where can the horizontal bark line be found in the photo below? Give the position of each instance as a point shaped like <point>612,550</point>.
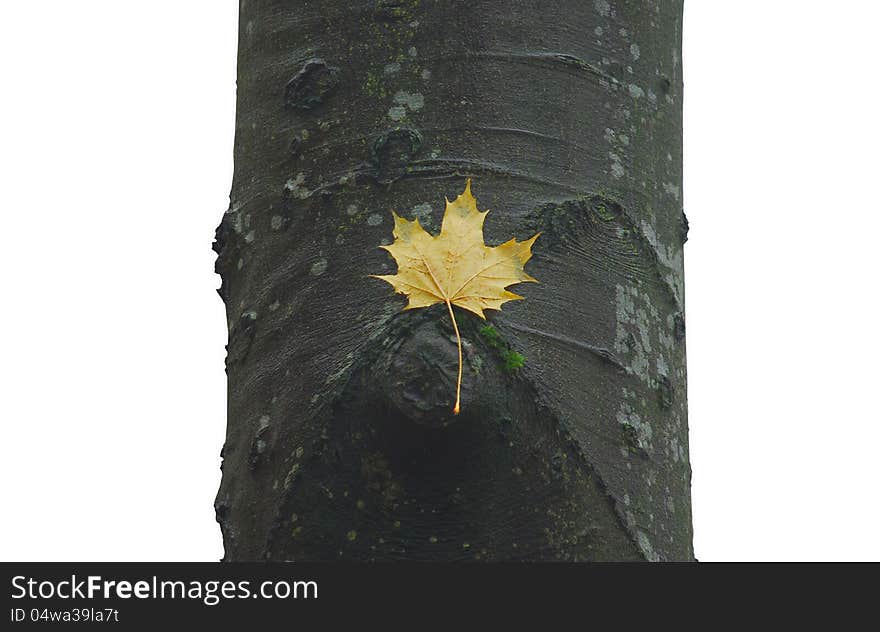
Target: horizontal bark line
<point>599,352</point>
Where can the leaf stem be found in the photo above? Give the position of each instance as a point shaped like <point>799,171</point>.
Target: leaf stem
<point>457,408</point>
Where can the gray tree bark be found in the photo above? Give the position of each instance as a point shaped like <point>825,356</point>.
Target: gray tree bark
<point>340,443</point>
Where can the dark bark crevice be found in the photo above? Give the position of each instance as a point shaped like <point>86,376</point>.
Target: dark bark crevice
<point>394,475</point>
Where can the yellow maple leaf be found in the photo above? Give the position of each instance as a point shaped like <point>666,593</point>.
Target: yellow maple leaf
<point>456,267</point>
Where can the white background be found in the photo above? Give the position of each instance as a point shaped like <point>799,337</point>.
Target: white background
<point>116,160</point>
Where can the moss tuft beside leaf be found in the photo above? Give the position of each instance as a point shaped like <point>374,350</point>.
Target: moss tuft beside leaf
<point>512,361</point>
<point>491,336</point>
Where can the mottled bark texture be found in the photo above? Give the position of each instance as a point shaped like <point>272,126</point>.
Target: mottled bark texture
<point>340,444</point>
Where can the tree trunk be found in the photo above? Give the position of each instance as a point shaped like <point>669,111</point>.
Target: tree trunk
<point>340,442</point>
